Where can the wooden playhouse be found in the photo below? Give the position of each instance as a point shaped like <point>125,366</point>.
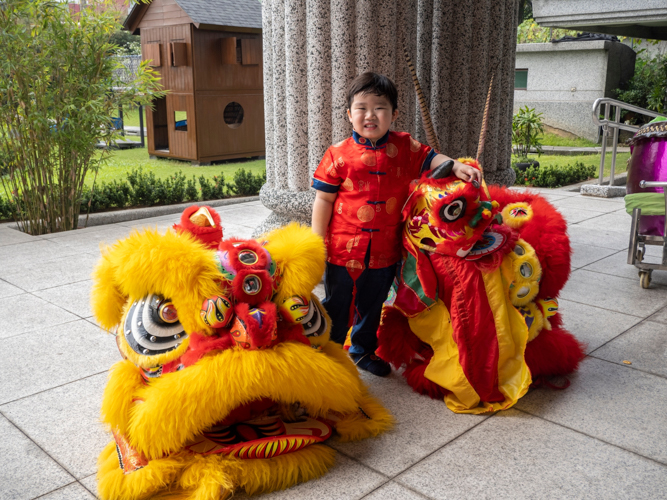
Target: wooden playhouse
<point>209,55</point>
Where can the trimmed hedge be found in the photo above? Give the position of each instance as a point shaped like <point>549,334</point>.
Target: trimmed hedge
<point>552,177</point>
<point>142,189</point>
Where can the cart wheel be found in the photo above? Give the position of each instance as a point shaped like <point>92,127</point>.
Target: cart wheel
<point>640,254</point>
<point>644,279</point>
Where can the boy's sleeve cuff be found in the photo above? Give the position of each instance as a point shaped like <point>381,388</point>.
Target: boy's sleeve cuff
<point>323,186</point>
<point>427,162</point>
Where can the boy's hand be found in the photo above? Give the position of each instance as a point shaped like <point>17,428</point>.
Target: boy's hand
<point>466,172</point>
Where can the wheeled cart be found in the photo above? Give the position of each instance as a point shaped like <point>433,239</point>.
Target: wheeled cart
<point>638,241</point>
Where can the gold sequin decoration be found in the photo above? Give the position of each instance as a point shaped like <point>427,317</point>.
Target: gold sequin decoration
<point>348,185</point>
<point>340,162</point>
<point>368,158</point>
<point>391,205</point>
<point>392,150</point>
<point>365,213</point>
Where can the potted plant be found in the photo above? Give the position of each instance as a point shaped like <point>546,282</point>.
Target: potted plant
<point>526,129</point>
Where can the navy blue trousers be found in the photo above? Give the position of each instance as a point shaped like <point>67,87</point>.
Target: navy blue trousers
<point>372,288</point>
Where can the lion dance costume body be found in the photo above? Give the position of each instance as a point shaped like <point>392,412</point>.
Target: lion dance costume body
<point>474,317</point>
<point>228,380</point>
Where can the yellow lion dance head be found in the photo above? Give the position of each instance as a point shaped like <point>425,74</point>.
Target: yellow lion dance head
<point>228,380</point>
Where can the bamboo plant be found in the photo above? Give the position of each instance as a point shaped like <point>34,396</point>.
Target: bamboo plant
<point>58,94</point>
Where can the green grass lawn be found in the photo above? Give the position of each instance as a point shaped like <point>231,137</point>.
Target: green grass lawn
<point>562,160</point>
<point>124,161</point>
<point>556,140</point>
<point>131,117</point>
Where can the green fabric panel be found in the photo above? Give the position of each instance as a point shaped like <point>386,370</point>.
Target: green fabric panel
<point>659,119</point>
<point>650,203</point>
<point>411,279</point>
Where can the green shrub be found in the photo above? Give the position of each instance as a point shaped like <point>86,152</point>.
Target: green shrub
<point>191,193</point>
<point>7,209</point>
<point>648,86</point>
<point>212,189</point>
<point>247,184</point>
<point>552,176</point>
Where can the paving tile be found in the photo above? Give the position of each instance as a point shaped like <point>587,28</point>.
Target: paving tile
<point>7,290</point>
<point>90,483</point>
<point>244,216</point>
<point>9,236</point>
<point>74,298</point>
<point>347,479</point>
<point>26,471</point>
<point>48,274</point>
<point>583,254</point>
<point>236,231</point>
<point>38,251</point>
<point>319,292</point>
<point>645,346</point>
<point>394,491</point>
<point>25,313</point>
<point>71,492</point>
<point>619,222</point>
<point>592,325</point>
<point>161,225</point>
<point>89,240</point>
<point>598,237</point>
<point>51,357</point>
<point>422,426</point>
<point>617,265</point>
<point>660,316</point>
<point>589,203</point>
<point>615,403</point>
<point>64,422</point>
<point>614,293</point>
<point>514,455</point>
<point>575,215</point>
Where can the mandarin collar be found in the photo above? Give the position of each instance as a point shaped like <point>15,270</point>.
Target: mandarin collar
<point>367,143</point>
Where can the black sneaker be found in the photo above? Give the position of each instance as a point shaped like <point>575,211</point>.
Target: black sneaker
<point>371,363</point>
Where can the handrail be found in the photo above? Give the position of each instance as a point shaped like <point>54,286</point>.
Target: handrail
<point>616,125</point>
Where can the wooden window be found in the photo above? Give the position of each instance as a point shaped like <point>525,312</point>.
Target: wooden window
<point>179,53</point>
<point>152,54</point>
<point>229,50</point>
<point>251,51</point>
<point>520,79</point>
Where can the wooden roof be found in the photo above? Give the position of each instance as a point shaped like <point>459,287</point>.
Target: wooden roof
<point>236,15</point>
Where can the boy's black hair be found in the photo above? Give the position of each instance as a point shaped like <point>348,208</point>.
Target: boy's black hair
<point>373,83</point>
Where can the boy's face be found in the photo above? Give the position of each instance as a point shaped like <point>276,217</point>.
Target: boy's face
<point>371,115</point>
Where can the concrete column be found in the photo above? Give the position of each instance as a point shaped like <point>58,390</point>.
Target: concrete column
<point>314,48</point>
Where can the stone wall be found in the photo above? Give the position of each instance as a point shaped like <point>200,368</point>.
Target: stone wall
<point>314,48</point>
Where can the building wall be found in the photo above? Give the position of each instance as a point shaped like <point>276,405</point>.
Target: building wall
<point>216,86</point>
<point>565,79</point>
<point>179,81</point>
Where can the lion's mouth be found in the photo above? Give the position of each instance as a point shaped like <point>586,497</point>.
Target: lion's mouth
<point>260,429</point>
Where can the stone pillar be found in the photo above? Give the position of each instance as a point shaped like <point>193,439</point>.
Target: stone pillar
<point>314,48</point>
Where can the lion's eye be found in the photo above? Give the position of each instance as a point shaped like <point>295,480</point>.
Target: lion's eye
<point>454,211</point>
<point>167,312</point>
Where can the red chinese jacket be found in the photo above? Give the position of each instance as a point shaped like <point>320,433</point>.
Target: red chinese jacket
<point>372,185</point>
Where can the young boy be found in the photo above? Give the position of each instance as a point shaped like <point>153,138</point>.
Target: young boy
<point>362,185</point>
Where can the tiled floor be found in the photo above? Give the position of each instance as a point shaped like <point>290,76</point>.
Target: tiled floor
<point>604,437</point>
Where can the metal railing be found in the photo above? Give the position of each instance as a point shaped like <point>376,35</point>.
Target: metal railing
<point>615,125</point>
